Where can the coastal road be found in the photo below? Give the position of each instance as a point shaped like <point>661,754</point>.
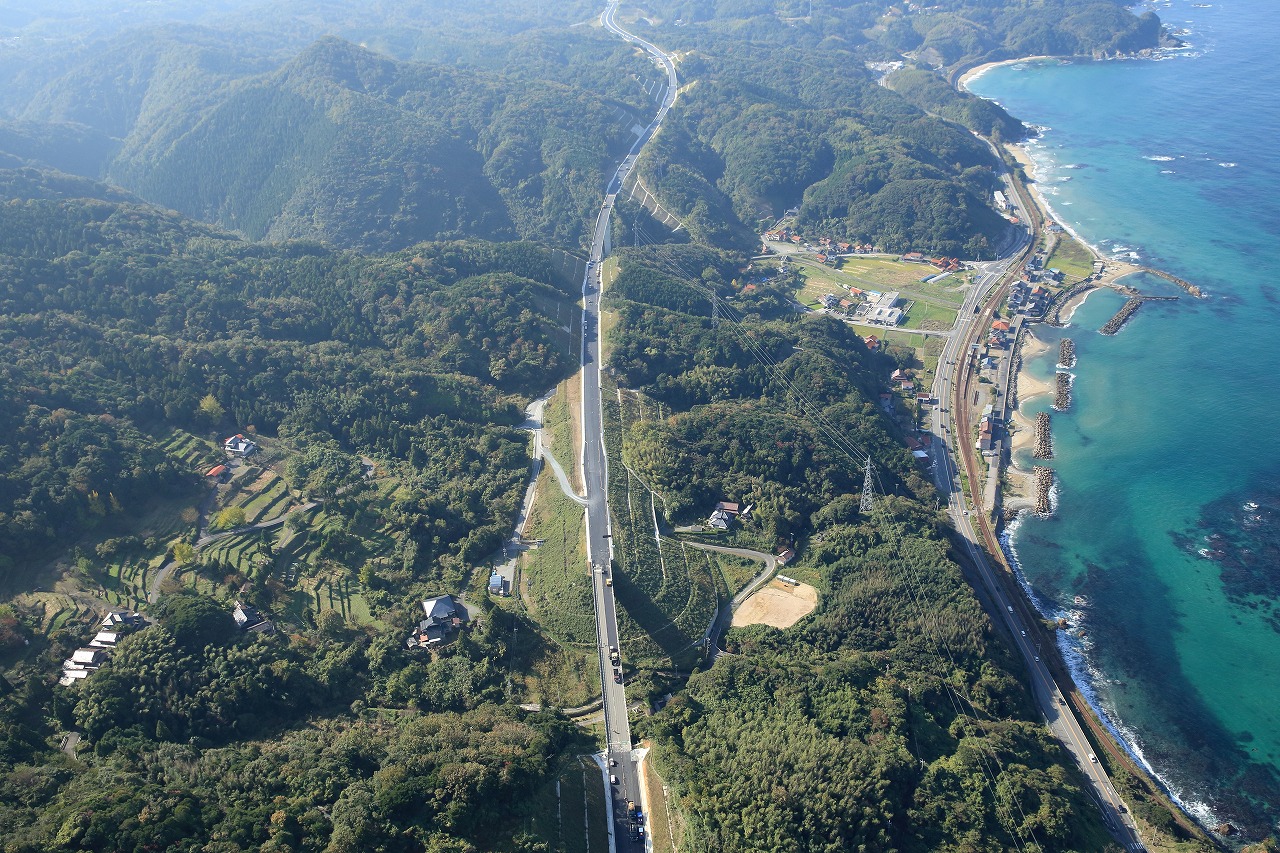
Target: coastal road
<point>621,758</point>
<point>951,426</point>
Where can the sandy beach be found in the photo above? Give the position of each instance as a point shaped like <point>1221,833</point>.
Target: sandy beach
<point>1028,385</point>
<point>973,73</point>
<point>1019,482</point>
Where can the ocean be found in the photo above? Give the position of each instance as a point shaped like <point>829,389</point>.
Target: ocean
<point>1164,548</point>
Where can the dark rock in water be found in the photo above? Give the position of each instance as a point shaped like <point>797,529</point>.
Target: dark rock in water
<point>1240,533</point>
<point>1225,829</point>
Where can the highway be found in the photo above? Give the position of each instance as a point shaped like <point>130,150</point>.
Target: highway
<point>951,381</point>
<point>951,390</point>
<point>619,753</point>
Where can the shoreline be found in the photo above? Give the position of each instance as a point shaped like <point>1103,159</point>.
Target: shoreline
<point>963,81</point>
<point>1020,481</point>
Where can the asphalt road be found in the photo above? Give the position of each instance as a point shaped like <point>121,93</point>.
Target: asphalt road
<point>621,758</point>
<point>950,385</point>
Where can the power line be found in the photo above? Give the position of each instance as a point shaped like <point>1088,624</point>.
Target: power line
<point>875,512</point>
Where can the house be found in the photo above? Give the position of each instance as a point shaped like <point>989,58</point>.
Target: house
<point>829,301</point>
<point>249,619</point>
<point>86,659</point>
<point>105,640</point>
<point>727,507</point>
<point>719,520</point>
<point>71,676</point>
<point>240,446</point>
<point>1000,325</point>
<point>924,398</point>
<point>899,375</point>
<point>123,620</point>
<point>922,455</point>
<point>986,434</point>
<point>785,555</point>
<point>443,618</point>
<point>872,342</point>
<point>497,586</point>
<point>217,471</point>
<point>914,258</point>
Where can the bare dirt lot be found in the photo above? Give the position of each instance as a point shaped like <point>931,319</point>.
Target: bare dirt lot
<point>779,604</point>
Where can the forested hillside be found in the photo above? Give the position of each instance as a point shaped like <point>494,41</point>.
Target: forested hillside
<point>123,326</point>
<point>500,120</point>
<point>327,230</point>
<point>892,718</point>
<point>117,317</point>
<point>785,108</point>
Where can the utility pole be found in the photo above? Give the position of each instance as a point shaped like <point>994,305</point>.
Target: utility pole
<point>868,492</point>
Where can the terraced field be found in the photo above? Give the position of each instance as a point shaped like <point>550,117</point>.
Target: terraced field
<point>197,453</point>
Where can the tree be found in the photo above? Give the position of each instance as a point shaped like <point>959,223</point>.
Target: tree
<point>195,621</point>
<point>183,553</point>
<point>210,411</point>
<point>228,518</point>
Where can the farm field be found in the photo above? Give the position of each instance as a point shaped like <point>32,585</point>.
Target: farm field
<point>879,274</point>
<point>778,604</point>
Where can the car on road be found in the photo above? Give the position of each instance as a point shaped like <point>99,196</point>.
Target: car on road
<point>617,676</point>
<point>1093,759</point>
<point>613,762</point>
<point>608,581</point>
<point>1024,633</point>
<point>613,780</point>
<point>1037,658</point>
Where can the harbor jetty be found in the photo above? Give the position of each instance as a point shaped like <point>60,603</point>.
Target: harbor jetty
<point>1043,485</point>
<point>1133,303</point>
<point>1062,392</point>
<point>1126,311</point>
<point>1183,283</point>
<point>1042,448</point>
<point>1067,354</point>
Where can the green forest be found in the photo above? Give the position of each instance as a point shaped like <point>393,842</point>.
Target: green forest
<point>891,719</point>
<point>352,236</point>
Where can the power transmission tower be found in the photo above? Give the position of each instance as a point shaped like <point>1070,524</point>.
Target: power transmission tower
<point>868,492</point>
<point>715,310</point>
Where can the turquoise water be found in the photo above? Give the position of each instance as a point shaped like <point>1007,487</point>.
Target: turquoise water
<point>1168,503</point>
